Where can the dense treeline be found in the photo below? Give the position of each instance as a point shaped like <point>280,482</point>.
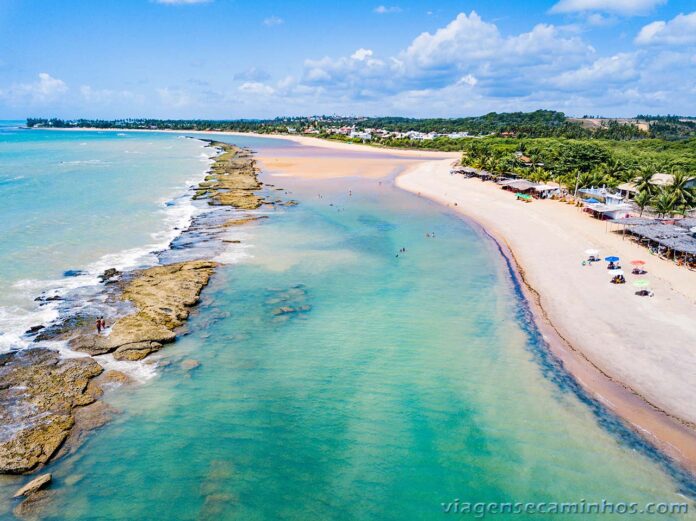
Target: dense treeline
<point>540,123</point>
<point>261,126</point>
<point>671,127</point>
<point>584,164</point>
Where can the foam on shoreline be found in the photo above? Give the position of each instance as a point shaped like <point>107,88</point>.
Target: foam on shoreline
<point>178,211</point>
<point>659,427</point>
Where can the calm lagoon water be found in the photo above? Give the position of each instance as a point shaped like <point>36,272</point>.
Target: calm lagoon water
<point>407,382</point>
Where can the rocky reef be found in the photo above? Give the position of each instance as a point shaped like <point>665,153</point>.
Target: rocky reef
<point>38,396</point>
<point>232,180</point>
<point>163,297</point>
<point>48,403</point>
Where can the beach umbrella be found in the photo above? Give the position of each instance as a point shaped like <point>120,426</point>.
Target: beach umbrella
<point>591,200</point>
<point>641,283</point>
<point>638,262</point>
<point>592,252</point>
<point>611,259</point>
<point>614,273</point>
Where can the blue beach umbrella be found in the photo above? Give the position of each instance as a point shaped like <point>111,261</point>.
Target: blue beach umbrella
<point>591,200</point>
<point>611,259</point>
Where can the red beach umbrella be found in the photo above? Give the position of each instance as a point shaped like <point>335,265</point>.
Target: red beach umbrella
<point>638,262</point>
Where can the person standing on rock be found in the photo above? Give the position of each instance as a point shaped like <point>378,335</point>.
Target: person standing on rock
<point>99,325</point>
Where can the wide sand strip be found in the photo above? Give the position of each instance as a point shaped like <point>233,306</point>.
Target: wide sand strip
<point>644,345</point>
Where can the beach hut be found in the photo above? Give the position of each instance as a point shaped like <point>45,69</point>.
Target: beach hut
<point>548,190</point>
<point>668,241</point>
<point>607,211</point>
<point>520,186</point>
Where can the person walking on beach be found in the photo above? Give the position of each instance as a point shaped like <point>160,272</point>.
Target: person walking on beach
<point>103,324</point>
<point>99,326</point>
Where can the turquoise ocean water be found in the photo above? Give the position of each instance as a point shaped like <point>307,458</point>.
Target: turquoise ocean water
<point>405,383</point>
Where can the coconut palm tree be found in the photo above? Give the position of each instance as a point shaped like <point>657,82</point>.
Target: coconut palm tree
<point>665,202</point>
<point>539,175</point>
<point>643,179</point>
<point>615,170</point>
<point>684,196</point>
<point>682,211</point>
<point>642,200</point>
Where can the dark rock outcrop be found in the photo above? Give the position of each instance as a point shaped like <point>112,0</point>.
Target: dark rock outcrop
<point>37,400</point>
<point>109,274</point>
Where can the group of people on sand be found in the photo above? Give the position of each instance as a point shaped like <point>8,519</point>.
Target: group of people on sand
<point>618,279</point>
<point>101,325</point>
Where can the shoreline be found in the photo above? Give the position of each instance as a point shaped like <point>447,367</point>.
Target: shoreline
<point>669,432</point>
<point>672,435</point>
<point>51,409</point>
<point>296,138</point>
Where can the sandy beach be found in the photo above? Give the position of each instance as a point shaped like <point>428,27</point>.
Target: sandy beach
<point>627,349</point>
<point>636,355</point>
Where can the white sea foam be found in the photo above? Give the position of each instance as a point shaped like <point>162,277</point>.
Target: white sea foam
<point>178,210</point>
<point>11,179</point>
<point>15,321</point>
<point>234,254</point>
<point>138,371</point>
<point>90,162</point>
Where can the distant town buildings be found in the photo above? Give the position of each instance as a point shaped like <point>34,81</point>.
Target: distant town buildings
<point>367,134</point>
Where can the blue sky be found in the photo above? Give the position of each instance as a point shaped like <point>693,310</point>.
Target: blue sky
<point>229,59</point>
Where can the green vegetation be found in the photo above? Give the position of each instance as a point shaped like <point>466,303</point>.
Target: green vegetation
<point>251,125</point>
<point>671,127</point>
<point>537,124</point>
<point>583,164</point>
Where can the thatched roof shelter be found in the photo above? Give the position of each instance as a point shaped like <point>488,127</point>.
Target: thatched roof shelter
<point>676,238</point>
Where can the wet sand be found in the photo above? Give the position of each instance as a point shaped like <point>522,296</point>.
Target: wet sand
<point>636,355</point>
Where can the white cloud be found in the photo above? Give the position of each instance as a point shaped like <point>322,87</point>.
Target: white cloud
<point>469,79</point>
<point>469,65</point>
<point>181,2</point>
<point>361,54</point>
<point>383,9</point>
<point>44,90</point>
<point>679,30</point>
<point>622,7</point>
<point>469,39</point>
<point>464,37</point>
<point>255,87</point>
<point>272,21</point>
<point>602,72</point>
<point>466,66</point>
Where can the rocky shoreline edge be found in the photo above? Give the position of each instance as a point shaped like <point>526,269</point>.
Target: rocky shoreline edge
<point>48,402</point>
